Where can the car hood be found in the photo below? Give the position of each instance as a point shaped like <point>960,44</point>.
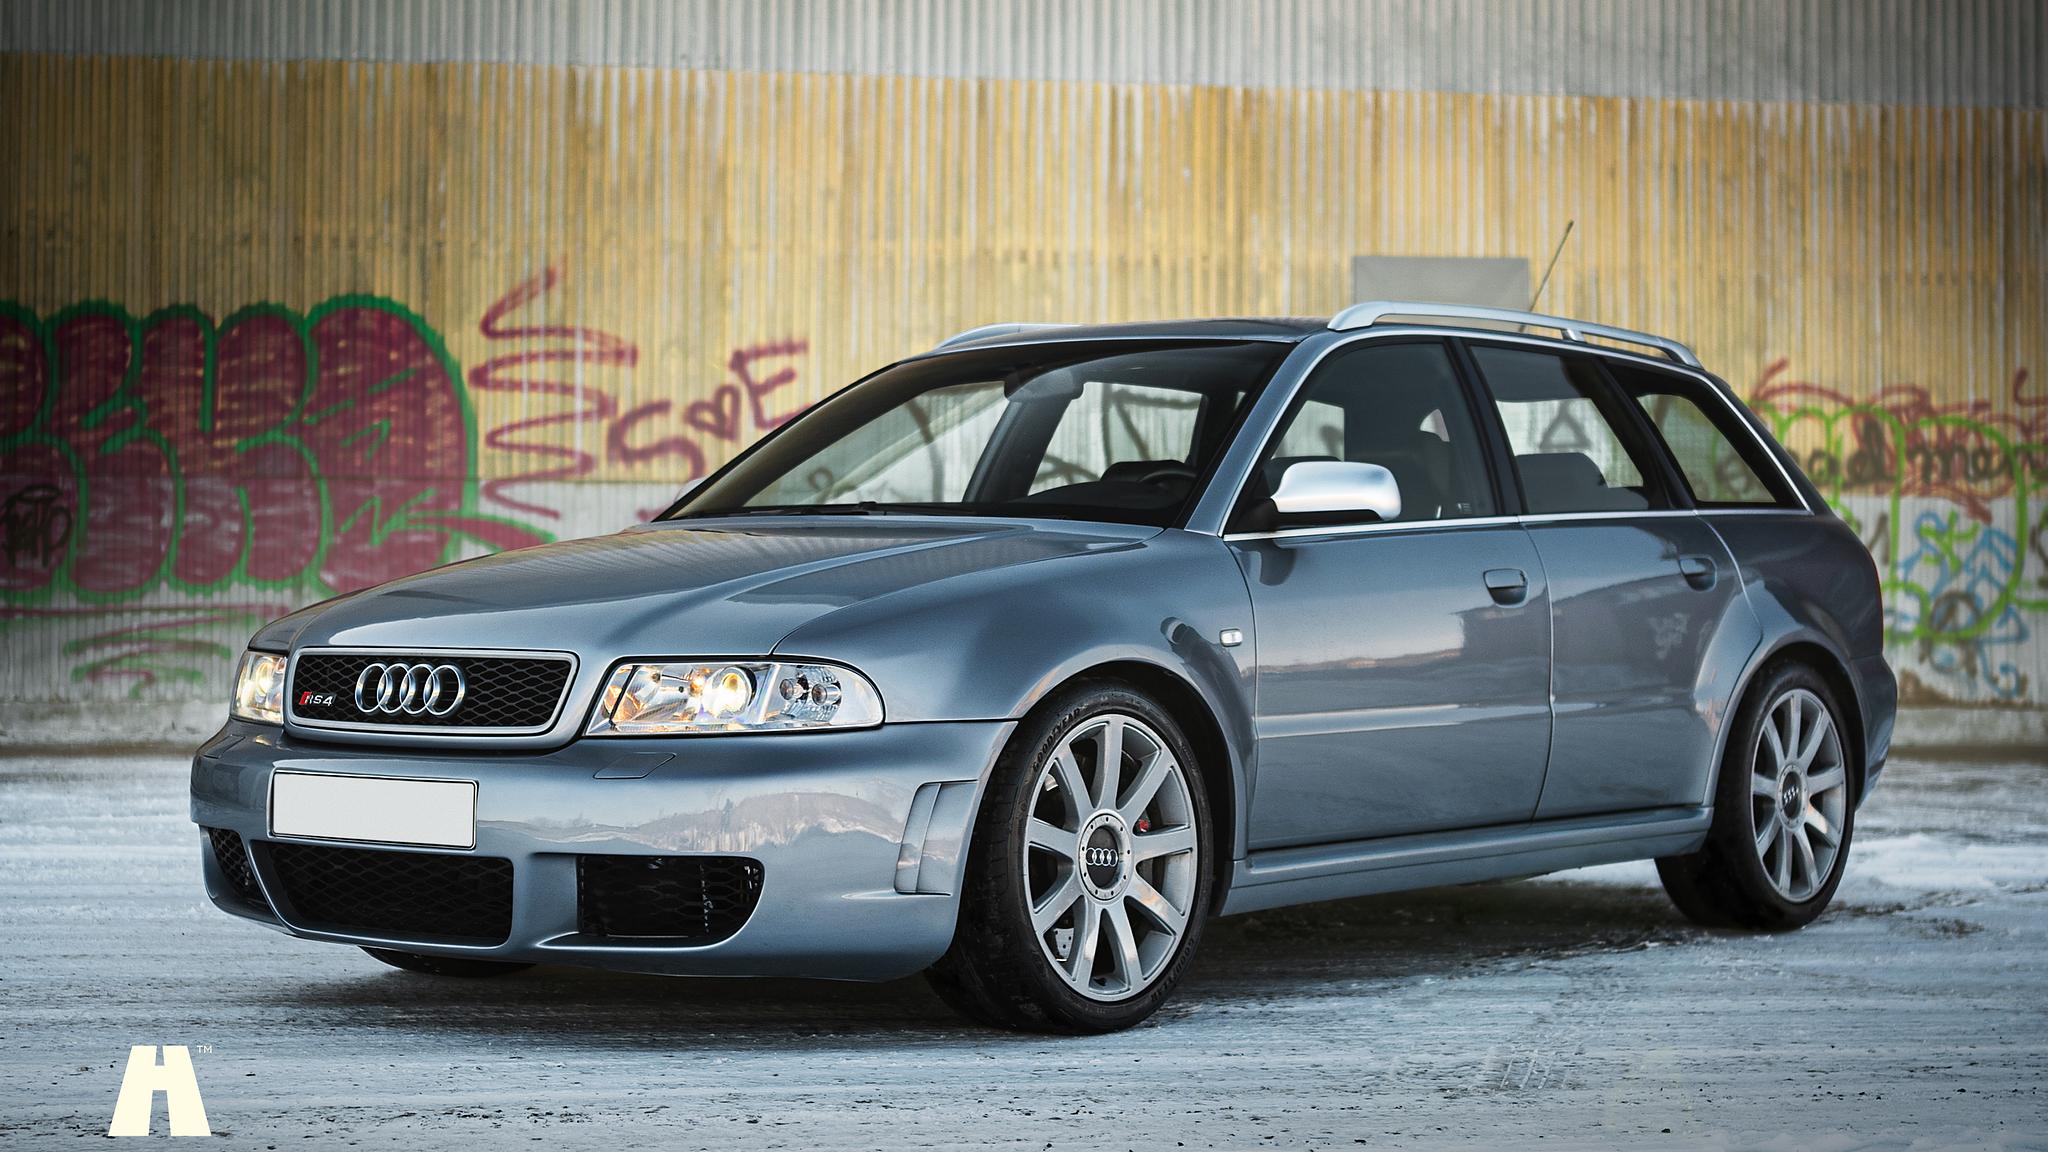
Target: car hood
<point>729,587</point>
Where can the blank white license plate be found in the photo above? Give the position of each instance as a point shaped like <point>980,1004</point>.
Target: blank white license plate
<point>378,809</point>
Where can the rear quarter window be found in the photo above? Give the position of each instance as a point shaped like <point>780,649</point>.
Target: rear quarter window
<point>1717,455</point>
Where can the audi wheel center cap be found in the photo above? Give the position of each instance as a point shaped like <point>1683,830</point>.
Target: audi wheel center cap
<point>1104,856</point>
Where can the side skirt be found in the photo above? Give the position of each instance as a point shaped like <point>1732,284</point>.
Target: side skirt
<point>1278,877</point>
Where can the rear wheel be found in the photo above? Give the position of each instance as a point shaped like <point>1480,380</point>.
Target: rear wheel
<point>446,965</point>
<point>1087,883</point>
<point>1783,812</point>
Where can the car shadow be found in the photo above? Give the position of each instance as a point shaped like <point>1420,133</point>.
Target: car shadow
<point>1286,953</point>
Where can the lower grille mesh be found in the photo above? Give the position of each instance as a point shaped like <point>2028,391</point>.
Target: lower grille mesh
<point>678,899</point>
<point>233,860</point>
<point>375,892</point>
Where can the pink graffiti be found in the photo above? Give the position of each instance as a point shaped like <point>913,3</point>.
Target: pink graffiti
<point>587,346</point>
<point>718,415</point>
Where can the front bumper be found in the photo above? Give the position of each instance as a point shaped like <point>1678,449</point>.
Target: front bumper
<point>861,837</point>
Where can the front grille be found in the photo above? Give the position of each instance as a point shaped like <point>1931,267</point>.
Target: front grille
<point>380,893</point>
<point>506,693</point>
<point>233,860</point>
<point>680,899</point>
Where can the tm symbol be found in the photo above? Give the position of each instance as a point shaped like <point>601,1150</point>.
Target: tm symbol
<point>203,1049</point>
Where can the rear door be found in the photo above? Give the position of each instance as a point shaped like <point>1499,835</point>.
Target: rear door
<point>1647,612</point>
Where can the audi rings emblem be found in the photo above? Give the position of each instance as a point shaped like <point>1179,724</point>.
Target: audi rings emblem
<point>432,689</point>
<point>1101,857</point>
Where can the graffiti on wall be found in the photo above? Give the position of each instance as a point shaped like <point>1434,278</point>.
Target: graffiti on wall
<point>552,363</point>
<point>1946,494</point>
<point>314,453</point>
<point>168,483</point>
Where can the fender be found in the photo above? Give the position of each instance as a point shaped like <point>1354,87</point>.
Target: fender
<point>936,653</point>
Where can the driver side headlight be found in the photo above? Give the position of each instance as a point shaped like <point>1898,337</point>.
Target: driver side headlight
<point>713,696</point>
<point>259,688</point>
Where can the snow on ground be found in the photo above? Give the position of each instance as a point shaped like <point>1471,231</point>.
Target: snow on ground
<point>1573,1011</point>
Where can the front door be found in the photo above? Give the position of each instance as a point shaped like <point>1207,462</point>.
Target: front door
<point>1403,667</point>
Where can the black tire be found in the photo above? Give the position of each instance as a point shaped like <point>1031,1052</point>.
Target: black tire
<point>446,965</point>
<point>1724,884</point>
<point>996,972</point>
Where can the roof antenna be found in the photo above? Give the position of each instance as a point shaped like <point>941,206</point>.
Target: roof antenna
<point>1552,266</point>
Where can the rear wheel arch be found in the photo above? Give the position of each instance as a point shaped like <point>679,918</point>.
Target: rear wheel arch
<point>1831,669</point>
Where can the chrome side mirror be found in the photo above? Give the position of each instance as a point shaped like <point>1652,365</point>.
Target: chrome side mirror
<point>1325,488</point>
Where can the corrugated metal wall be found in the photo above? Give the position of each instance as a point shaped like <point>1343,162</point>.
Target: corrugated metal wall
<point>270,328</point>
<point>1937,52</point>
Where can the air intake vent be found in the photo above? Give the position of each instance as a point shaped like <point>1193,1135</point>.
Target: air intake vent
<point>666,899</point>
<point>365,891</point>
<point>233,860</point>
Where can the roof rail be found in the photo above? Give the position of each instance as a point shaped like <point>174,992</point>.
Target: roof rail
<point>1373,311</point>
<point>987,330</point>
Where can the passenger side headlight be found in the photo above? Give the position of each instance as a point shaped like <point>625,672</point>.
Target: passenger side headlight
<point>259,688</point>
<point>687,697</point>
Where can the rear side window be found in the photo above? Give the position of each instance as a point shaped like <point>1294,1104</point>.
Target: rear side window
<point>1719,458</point>
<point>1568,453</point>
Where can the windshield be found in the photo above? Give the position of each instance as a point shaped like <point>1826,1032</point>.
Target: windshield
<point>1120,430</point>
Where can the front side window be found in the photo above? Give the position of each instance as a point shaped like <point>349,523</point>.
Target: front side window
<point>1119,431</point>
<point>1567,452</point>
<point>1398,405</point>
<point>1721,462</point>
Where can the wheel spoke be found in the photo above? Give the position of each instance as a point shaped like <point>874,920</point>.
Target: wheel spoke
<point>1762,785</point>
<point>1046,835</point>
<point>1822,782</point>
<point>1818,821</point>
<point>1806,864</point>
<point>1056,903</point>
<point>1123,943</point>
<point>1776,745</point>
<point>1151,774</point>
<point>1087,934</point>
<point>1819,735</point>
<point>1165,842</point>
<point>1783,874</point>
<point>1795,716</point>
<point>1158,906</point>
<point>1109,766</point>
<point>1767,835</point>
<point>1068,774</point>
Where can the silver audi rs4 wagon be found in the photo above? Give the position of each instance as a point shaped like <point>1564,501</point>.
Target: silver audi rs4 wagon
<point>1017,661</point>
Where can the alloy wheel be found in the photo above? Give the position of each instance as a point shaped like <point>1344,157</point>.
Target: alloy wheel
<point>1799,794</point>
<point>1110,856</point>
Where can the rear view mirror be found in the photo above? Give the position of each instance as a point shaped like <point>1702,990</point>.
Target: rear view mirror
<point>1336,490</point>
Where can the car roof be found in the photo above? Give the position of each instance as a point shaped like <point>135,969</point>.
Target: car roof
<point>1285,328</point>
<point>1460,317</point>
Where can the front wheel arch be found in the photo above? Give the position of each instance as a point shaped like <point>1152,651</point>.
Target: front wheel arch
<point>1222,780</point>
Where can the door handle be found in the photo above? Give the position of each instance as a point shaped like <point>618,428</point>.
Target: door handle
<point>1506,585</point>
<point>1697,570</point>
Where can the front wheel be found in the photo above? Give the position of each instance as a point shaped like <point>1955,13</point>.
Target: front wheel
<point>1088,880</point>
<point>1783,812</point>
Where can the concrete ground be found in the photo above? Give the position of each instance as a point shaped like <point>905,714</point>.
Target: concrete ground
<point>1577,1010</point>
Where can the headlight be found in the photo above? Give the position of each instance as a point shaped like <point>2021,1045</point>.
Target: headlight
<point>686,697</point>
<point>259,688</point>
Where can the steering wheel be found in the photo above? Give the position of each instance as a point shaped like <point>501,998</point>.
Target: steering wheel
<point>1174,470</point>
